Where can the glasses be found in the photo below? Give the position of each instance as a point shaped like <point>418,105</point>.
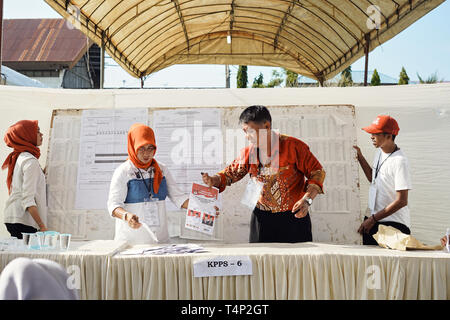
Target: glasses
<point>146,149</point>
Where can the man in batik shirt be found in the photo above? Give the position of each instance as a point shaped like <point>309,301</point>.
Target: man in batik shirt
<point>290,175</point>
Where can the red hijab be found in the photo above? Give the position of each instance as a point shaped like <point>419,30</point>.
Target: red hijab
<point>139,135</point>
<point>22,137</point>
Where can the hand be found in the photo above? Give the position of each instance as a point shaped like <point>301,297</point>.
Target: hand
<point>217,211</point>
<point>133,220</point>
<point>43,228</point>
<point>300,208</point>
<point>444,241</point>
<point>366,225</point>
<point>208,180</point>
<point>358,151</point>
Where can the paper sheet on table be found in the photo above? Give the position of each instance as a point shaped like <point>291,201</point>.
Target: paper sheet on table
<point>392,238</point>
<point>165,250</point>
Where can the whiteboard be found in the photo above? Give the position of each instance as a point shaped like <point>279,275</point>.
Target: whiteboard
<point>329,130</point>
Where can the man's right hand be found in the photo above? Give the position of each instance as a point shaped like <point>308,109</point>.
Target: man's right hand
<point>133,220</point>
<point>210,181</point>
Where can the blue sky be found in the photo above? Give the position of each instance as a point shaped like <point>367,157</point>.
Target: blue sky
<point>422,48</point>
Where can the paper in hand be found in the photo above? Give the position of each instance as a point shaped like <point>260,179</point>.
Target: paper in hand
<point>201,212</point>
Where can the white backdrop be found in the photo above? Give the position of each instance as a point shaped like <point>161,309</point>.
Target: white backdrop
<point>423,113</point>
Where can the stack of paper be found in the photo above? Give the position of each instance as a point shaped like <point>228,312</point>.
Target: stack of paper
<point>166,250</point>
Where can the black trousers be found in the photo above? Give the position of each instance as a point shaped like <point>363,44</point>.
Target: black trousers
<point>16,229</point>
<point>369,240</point>
<point>266,226</point>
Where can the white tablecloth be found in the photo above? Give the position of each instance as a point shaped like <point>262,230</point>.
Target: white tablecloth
<point>280,271</point>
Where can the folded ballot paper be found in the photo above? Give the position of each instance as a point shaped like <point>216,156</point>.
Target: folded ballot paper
<point>392,238</point>
<point>165,250</point>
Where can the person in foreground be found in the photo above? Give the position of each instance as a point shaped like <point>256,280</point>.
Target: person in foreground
<point>26,207</point>
<point>390,180</point>
<point>289,174</point>
<point>35,279</point>
<point>138,190</point>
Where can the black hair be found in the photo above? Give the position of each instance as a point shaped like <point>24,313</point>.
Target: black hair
<point>258,114</point>
<point>393,135</point>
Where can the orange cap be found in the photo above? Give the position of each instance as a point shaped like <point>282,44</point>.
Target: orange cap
<point>383,124</point>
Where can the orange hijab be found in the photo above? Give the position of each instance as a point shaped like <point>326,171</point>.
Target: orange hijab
<point>139,135</point>
<point>21,136</point>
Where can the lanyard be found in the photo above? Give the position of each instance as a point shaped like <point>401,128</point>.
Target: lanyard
<point>149,187</point>
<point>379,165</point>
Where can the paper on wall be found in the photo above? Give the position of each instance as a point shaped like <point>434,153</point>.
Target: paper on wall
<point>103,147</point>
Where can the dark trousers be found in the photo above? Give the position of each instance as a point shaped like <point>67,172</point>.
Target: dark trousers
<point>369,240</point>
<point>16,229</point>
<point>266,226</point>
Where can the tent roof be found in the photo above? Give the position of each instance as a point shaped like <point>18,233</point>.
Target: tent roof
<point>315,38</point>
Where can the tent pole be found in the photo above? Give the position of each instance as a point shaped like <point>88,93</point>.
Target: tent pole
<point>366,65</point>
<point>227,76</point>
<point>102,63</point>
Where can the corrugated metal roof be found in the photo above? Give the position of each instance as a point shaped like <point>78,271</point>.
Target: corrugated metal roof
<point>29,43</point>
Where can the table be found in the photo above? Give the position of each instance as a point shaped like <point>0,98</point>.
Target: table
<point>280,271</point>
<point>92,259</point>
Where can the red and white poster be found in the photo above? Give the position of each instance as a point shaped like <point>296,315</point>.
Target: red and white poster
<point>201,212</point>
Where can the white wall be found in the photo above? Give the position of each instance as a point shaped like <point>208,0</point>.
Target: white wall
<point>423,113</point>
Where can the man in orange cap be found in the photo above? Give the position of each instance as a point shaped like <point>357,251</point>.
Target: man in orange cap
<point>390,180</point>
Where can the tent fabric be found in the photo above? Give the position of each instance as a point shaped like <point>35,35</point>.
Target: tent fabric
<point>317,39</point>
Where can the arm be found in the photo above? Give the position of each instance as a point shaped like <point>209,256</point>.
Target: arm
<point>401,200</point>
<point>179,198</point>
<point>33,211</point>
<point>365,166</point>
<point>307,163</point>
<point>31,172</point>
<point>116,199</point>
<point>132,219</point>
<point>234,172</point>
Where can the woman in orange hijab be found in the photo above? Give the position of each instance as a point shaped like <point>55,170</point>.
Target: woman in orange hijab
<point>26,209</point>
<point>138,191</point>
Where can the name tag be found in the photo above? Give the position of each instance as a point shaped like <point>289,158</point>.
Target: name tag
<point>252,193</point>
<point>151,213</point>
<point>223,266</point>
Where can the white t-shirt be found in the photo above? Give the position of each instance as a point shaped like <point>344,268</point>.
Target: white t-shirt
<point>393,176</point>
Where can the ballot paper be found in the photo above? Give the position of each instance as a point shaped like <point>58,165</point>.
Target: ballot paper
<point>150,232</point>
<point>201,212</point>
<point>165,250</point>
<point>392,238</point>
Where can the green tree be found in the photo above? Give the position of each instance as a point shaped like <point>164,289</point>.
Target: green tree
<point>403,77</point>
<point>242,77</point>
<point>375,81</point>
<point>291,78</point>
<point>346,78</point>
<point>277,79</point>
<point>258,82</point>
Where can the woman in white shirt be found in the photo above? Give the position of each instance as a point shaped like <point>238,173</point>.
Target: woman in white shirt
<point>26,207</point>
<point>138,191</point>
